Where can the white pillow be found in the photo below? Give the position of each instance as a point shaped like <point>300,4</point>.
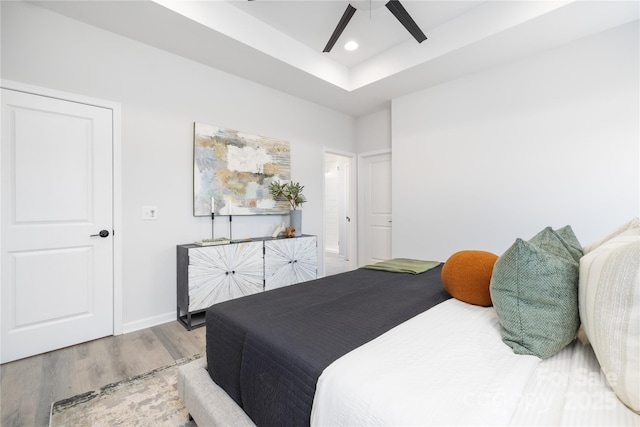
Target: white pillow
<point>609,302</point>
<point>634,223</point>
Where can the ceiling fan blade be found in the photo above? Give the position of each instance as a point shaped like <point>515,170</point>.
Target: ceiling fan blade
<point>405,19</point>
<point>346,17</point>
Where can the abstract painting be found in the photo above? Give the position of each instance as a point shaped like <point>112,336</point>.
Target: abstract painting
<point>232,171</point>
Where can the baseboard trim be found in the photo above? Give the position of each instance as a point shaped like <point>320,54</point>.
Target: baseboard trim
<point>148,322</point>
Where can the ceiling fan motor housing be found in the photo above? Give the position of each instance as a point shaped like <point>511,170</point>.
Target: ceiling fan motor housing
<point>368,4</point>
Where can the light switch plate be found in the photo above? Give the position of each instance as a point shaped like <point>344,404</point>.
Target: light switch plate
<point>149,212</point>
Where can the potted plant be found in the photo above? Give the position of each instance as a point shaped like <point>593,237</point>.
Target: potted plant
<point>291,192</point>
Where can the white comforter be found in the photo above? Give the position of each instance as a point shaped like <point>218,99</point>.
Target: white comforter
<point>447,366</point>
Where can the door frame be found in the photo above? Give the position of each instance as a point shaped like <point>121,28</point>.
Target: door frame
<point>361,213</point>
<point>117,179</point>
<point>352,233</point>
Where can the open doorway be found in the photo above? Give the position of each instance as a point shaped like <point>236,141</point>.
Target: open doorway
<point>339,213</point>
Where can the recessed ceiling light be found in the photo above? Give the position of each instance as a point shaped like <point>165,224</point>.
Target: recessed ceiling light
<point>351,45</point>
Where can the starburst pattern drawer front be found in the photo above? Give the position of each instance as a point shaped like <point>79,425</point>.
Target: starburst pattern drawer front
<point>290,261</point>
<point>221,273</point>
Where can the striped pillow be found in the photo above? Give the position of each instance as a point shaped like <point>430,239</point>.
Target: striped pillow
<point>634,223</point>
<point>609,300</point>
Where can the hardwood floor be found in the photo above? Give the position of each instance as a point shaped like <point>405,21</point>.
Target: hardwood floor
<point>29,386</point>
<point>334,264</point>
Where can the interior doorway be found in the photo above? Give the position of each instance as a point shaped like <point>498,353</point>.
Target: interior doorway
<point>60,283</point>
<point>339,213</point>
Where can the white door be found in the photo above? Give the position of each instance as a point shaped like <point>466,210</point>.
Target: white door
<point>376,203</point>
<point>57,195</point>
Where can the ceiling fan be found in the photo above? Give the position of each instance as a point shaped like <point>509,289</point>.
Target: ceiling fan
<point>394,7</point>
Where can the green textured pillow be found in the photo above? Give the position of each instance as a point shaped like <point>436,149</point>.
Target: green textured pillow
<point>571,241</point>
<point>534,289</point>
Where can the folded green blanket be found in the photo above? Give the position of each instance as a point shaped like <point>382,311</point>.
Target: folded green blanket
<point>404,265</point>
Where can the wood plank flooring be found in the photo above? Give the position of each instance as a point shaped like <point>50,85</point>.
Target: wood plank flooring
<point>335,264</point>
<point>29,386</point>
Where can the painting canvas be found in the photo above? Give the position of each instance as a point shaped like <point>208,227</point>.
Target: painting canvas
<point>232,172</point>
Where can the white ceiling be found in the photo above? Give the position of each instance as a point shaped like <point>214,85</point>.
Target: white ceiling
<point>279,43</point>
<point>376,30</point>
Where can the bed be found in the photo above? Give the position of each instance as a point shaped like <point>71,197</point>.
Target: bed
<point>373,347</point>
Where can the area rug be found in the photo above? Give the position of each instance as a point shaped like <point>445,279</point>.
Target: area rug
<point>149,399</point>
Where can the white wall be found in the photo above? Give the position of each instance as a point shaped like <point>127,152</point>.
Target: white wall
<point>549,140</point>
<point>373,131</point>
<point>161,96</point>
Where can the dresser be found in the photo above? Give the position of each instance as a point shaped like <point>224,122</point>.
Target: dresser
<point>207,275</point>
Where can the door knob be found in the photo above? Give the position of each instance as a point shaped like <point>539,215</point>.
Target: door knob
<point>102,233</point>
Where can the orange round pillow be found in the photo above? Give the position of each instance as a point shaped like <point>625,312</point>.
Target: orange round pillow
<point>467,274</point>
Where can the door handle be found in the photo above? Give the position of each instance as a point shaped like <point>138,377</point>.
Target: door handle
<point>102,233</point>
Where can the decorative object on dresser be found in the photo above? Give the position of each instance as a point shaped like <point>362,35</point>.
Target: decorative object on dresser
<point>279,229</point>
<point>292,193</point>
<point>295,221</point>
<point>213,242</point>
<point>232,171</point>
<point>207,275</point>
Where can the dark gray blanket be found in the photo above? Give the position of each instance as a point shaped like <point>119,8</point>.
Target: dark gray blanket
<point>267,350</point>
